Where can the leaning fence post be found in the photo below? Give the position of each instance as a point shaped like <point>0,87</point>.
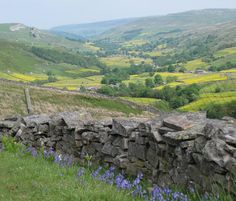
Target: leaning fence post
<point>28,101</point>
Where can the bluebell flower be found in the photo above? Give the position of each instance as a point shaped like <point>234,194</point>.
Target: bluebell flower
<point>119,178</point>
<point>125,184</point>
<point>57,158</point>
<point>32,150</point>
<point>80,173</point>
<point>95,173</point>
<point>108,176</point>
<point>138,179</point>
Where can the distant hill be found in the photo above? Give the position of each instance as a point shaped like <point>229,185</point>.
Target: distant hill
<point>90,29</point>
<point>151,27</point>
<point>32,36</point>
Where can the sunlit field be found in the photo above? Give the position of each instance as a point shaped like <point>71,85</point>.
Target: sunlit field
<point>73,84</point>
<point>209,98</point>
<point>195,64</point>
<point>123,62</point>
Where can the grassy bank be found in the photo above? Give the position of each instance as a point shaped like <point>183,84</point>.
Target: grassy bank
<point>24,178</point>
<point>12,102</point>
<point>28,174</point>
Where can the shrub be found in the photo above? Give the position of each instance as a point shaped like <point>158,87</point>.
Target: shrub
<point>218,111</point>
<point>10,145</point>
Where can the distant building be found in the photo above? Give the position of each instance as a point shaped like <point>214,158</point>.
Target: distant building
<point>199,71</point>
<point>91,88</point>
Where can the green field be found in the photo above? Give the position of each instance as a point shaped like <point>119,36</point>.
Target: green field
<point>75,84</point>
<point>227,85</point>
<point>209,98</point>
<point>123,62</point>
<point>195,64</point>
<point>143,101</point>
<point>226,52</point>
<point>182,78</point>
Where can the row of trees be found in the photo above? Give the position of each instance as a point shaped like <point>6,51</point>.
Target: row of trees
<point>117,75</point>
<point>226,66</point>
<point>176,97</point>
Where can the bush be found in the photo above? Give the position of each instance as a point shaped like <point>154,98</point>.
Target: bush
<point>162,106</point>
<point>10,145</point>
<point>218,111</point>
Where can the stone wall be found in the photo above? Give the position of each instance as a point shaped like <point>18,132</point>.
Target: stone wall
<point>184,149</point>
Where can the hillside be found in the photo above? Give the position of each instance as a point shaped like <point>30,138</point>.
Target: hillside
<point>151,27</point>
<point>22,62</point>
<point>21,33</point>
<point>12,102</point>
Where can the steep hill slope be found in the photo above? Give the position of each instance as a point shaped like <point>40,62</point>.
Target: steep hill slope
<point>32,36</point>
<point>22,62</point>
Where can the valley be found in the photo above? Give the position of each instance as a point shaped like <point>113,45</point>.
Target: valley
<point>190,54</point>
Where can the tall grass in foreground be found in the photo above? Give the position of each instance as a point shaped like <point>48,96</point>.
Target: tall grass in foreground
<point>28,174</point>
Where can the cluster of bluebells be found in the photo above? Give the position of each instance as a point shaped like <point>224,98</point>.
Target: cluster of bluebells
<point>62,160</point>
<point>164,194</point>
<point>120,181</point>
<point>135,187</point>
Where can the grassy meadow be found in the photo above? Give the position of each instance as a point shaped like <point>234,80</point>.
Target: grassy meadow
<point>122,61</point>
<point>26,178</point>
<point>143,101</point>
<point>195,64</point>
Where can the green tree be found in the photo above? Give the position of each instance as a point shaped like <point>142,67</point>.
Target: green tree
<point>149,83</point>
<point>182,69</point>
<point>170,79</point>
<point>158,79</point>
<point>171,69</point>
<point>107,90</point>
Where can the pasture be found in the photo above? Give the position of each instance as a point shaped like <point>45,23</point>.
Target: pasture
<point>122,61</point>
<point>195,64</point>
<point>74,84</point>
<point>209,98</point>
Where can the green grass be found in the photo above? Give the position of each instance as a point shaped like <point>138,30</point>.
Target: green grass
<point>24,177</point>
<point>143,101</point>
<point>35,179</point>
<point>225,52</point>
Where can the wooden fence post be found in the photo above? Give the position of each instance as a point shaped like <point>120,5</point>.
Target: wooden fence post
<point>28,101</point>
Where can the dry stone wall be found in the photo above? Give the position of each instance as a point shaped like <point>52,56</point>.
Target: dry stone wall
<point>184,149</point>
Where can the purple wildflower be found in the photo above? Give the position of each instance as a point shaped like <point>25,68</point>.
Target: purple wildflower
<point>80,173</point>
<point>125,184</point>
<point>108,176</point>
<point>119,178</point>
<point>95,173</point>
<point>32,151</point>
<point>138,179</point>
<point>57,158</point>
